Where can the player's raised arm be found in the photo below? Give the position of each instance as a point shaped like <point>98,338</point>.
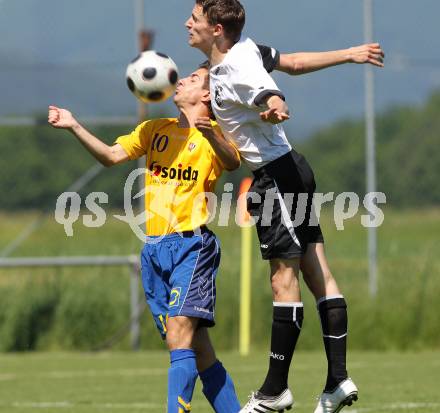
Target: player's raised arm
<point>306,62</point>
<point>107,155</point>
<point>225,152</point>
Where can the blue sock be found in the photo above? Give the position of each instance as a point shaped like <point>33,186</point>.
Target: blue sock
<point>182,376</point>
<point>219,389</point>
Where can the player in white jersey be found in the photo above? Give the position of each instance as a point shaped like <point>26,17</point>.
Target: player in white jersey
<point>249,106</point>
<point>239,86</point>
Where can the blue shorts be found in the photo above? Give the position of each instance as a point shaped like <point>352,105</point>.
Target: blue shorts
<point>178,276</point>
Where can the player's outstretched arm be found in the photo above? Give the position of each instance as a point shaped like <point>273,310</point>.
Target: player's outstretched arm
<point>107,155</point>
<point>306,62</point>
<point>225,152</point>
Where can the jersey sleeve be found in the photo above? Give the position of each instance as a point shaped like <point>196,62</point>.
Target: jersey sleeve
<point>218,167</point>
<point>137,142</point>
<point>252,84</point>
<point>270,57</point>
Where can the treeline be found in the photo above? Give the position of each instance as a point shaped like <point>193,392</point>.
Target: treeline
<point>407,160</point>
<point>38,163</point>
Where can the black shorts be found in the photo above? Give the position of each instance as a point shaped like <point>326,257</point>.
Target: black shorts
<point>280,199</point>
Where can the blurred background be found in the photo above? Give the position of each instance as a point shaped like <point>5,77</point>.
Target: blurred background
<point>74,55</point>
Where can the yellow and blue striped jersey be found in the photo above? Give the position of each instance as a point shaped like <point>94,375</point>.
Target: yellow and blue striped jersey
<point>181,167</point>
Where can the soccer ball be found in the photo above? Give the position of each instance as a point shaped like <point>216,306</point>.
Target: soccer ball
<point>152,76</point>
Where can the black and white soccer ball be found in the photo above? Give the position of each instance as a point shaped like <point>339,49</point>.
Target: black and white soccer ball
<point>152,76</point>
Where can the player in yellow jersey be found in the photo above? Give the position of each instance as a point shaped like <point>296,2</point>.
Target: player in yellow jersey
<point>185,157</point>
<point>181,164</point>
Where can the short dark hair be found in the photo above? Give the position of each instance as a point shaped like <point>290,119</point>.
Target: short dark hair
<point>205,65</point>
<point>229,13</point>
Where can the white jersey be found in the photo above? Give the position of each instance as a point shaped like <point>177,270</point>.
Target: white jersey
<point>238,86</point>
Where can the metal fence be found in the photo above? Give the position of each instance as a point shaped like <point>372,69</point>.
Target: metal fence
<point>132,261</point>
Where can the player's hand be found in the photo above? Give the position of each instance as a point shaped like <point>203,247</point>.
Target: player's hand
<point>367,53</point>
<point>61,118</point>
<point>274,116</point>
<point>204,125</point>
<point>277,111</point>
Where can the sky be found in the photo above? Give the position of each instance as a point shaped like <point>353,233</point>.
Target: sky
<point>74,54</point>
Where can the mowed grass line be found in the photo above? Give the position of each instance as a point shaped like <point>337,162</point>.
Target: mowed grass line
<point>136,382</point>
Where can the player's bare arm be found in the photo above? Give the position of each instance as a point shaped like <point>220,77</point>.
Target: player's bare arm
<point>107,155</point>
<point>225,152</point>
<point>306,62</point>
<point>277,111</point>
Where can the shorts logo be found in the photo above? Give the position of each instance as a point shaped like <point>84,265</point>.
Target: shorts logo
<point>202,310</point>
<point>204,288</point>
<point>175,297</point>
<point>264,246</point>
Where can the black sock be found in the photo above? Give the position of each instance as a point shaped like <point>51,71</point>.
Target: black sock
<point>286,326</point>
<point>333,313</point>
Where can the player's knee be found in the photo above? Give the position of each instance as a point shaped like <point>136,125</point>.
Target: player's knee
<point>329,283</point>
<point>321,284</point>
<point>328,277</point>
<point>284,284</point>
<point>205,358</point>
<point>179,334</point>
<point>202,346</point>
<point>178,339</point>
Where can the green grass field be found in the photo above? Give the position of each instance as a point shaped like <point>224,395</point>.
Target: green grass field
<point>404,315</point>
<point>135,383</point>
<point>400,325</point>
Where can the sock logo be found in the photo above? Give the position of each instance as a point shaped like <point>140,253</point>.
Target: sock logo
<point>277,356</point>
<point>184,407</point>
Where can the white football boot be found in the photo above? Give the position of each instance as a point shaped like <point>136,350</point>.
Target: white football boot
<point>260,403</point>
<point>344,395</point>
